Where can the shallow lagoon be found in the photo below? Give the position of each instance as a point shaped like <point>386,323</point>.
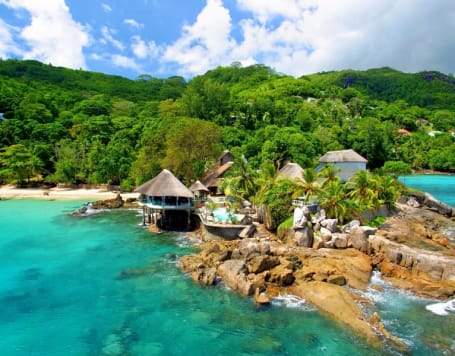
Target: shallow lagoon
<point>440,186</point>
<point>101,284</point>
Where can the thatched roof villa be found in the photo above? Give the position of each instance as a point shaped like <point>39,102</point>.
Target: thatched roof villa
<point>166,202</point>
<point>291,171</point>
<point>199,189</point>
<point>347,162</point>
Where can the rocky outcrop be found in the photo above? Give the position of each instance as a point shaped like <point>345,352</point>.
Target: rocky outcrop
<point>431,202</point>
<point>359,237</point>
<point>262,268</point>
<point>337,302</point>
<point>318,258</point>
<point>335,266</point>
<point>423,272</point>
<point>115,203</point>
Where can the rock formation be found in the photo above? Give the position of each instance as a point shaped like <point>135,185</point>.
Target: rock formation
<point>317,259</point>
<point>115,203</point>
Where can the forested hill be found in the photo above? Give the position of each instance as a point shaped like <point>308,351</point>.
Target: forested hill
<point>428,89</point>
<point>145,87</point>
<point>77,126</point>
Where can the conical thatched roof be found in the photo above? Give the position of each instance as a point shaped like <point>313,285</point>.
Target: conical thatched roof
<point>198,187</point>
<point>164,184</point>
<point>342,156</point>
<point>291,171</point>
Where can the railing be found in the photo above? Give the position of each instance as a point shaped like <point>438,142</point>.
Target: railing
<point>168,205</point>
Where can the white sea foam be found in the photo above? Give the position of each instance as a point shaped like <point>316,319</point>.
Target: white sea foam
<point>291,301</point>
<point>184,241</point>
<point>88,210</point>
<point>442,309</point>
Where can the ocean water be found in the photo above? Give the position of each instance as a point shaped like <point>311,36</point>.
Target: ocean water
<point>103,285</point>
<point>440,186</point>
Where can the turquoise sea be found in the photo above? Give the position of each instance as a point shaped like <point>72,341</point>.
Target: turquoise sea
<point>102,285</point>
<point>440,186</point>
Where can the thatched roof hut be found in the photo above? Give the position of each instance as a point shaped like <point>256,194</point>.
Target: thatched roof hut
<point>342,156</point>
<point>291,171</point>
<point>164,184</point>
<point>347,163</point>
<point>198,187</point>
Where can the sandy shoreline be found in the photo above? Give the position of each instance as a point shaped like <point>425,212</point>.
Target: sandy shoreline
<point>9,191</point>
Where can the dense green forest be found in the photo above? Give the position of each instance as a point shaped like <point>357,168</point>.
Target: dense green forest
<point>75,126</point>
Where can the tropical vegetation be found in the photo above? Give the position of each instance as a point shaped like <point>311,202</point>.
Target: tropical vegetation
<point>59,125</point>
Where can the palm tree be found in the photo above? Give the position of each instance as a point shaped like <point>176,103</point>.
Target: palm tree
<point>388,190</point>
<point>363,189</point>
<point>334,201</point>
<point>329,172</point>
<point>245,179</point>
<point>308,185</point>
<point>264,180</point>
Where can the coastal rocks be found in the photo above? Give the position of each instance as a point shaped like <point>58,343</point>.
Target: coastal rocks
<point>281,276</point>
<point>442,208</point>
<point>234,273</point>
<point>328,265</point>
<point>261,268</point>
<point>115,203</point>
<point>247,231</point>
<point>261,298</point>
<point>419,228</point>
<point>426,273</point>
<point>337,302</point>
<point>262,263</point>
<point>340,241</point>
<point>359,237</point>
<point>330,224</point>
<point>303,237</point>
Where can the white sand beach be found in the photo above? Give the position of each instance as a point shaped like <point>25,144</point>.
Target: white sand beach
<point>9,191</point>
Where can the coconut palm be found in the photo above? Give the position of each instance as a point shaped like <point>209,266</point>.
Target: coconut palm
<point>363,185</point>
<point>329,172</point>
<point>245,179</point>
<point>388,190</point>
<point>265,179</point>
<point>334,201</point>
<point>308,186</point>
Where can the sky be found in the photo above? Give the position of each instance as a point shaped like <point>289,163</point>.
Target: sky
<point>163,38</point>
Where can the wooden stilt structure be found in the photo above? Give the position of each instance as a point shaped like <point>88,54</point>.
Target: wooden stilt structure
<point>167,196</point>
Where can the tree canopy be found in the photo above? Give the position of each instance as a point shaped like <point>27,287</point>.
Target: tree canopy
<point>75,126</point>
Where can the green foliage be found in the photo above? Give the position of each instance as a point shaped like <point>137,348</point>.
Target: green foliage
<point>334,200</point>
<point>190,145</point>
<point>278,199</point>
<point>18,163</point>
<point>397,168</point>
<point>95,128</point>
<point>377,221</point>
<point>284,226</point>
<point>309,185</point>
<point>443,159</point>
<point>243,179</point>
<point>362,191</point>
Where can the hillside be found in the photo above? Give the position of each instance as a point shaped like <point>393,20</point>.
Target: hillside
<point>78,126</point>
<point>428,89</point>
